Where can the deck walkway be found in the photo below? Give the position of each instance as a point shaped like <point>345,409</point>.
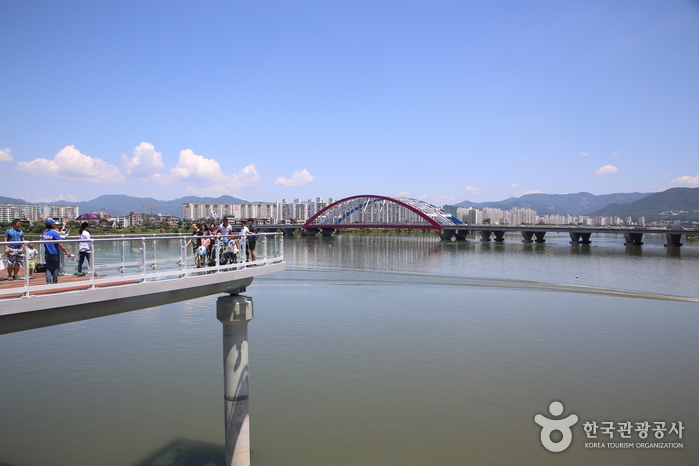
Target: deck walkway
<point>130,273</point>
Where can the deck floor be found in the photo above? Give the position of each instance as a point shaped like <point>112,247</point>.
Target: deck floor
<point>81,283</point>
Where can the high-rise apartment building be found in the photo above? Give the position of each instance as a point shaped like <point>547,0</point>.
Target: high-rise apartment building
<point>68,212</point>
<point>30,212</point>
<point>200,210</point>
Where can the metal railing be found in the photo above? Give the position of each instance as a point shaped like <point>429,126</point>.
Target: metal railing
<point>125,259</point>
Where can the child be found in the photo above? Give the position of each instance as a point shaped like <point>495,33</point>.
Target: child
<point>232,251</point>
<point>32,254</point>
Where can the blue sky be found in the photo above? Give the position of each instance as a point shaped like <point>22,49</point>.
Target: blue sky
<point>438,100</point>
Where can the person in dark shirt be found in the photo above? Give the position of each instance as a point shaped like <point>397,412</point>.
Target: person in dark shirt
<point>252,239</point>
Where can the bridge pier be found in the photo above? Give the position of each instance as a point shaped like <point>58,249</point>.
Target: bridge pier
<point>461,234</point>
<point>288,231</point>
<point>673,240</point>
<point>445,234</point>
<point>309,231</point>
<point>234,312</point>
<point>527,236</point>
<point>485,235</point>
<point>633,239</point>
<point>579,238</point>
<point>539,235</point>
<point>499,235</point>
<point>327,231</point>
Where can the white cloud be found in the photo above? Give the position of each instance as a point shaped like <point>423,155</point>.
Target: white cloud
<point>205,177</point>
<point>693,180</point>
<point>69,163</point>
<point>403,194</point>
<point>533,191</point>
<point>473,190</point>
<point>248,176</point>
<point>616,154</point>
<point>6,155</point>
<point>193,168</point>
<point>607,170</point>
<point>514,185</point>
<point>59,197</point>
<point>584,154</point>
<point>145,163</point>
<point>297,179</point>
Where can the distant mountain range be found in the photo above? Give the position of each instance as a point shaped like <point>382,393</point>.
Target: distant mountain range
<point>571,204</point>
<point>621,204</point>
<point>648,205</point>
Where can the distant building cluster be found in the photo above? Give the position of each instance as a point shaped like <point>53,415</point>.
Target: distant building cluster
<point>524,216</point>
<point>34,213</point>
<point>281,211</point>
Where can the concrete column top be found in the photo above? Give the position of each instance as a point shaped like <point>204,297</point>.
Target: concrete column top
<point>234,309</point>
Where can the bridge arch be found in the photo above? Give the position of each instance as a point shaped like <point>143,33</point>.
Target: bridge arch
<point>373,211</point>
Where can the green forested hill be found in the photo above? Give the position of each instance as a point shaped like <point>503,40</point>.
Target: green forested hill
<point>673,204</point>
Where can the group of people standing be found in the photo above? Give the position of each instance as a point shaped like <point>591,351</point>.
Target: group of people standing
<point>234,246</point>
<point>52,249</point>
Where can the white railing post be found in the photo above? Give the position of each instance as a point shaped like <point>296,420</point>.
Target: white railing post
<point>280,239</point>
<point>143,258</point>
<point>91,260</point>
<point>25,262</point>
<point>217,245</point>
<point>155,254</point>
<point>183,256</point>
<point>264,249</point>
<point>123,254</point>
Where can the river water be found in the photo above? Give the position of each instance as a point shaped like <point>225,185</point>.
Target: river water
<point>382,350</point>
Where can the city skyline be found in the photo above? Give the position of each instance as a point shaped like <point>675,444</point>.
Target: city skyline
<point>444,102</point>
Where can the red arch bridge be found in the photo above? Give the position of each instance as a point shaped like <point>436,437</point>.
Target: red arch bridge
<point>371,211</point>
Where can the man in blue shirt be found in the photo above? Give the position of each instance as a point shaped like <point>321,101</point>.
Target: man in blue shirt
<point>15,252</point>
<point>52,251</point>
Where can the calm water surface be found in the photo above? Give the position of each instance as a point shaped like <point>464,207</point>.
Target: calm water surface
<point>382,351</point>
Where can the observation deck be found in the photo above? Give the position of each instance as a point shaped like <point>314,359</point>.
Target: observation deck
<point>132,272</point>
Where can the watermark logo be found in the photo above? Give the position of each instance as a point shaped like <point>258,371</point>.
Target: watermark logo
<point>548,426</point>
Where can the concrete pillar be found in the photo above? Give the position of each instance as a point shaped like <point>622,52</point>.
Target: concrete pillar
<point>234,312</point>
<point>579,238</point>
<point>288,231</point>
<point>499,235</point>
<point>327,231</point>
<point>485,235</point>
<point>633,239</point>
<point>527,236</point>
<point>673,240</point>
<point>539,235</point>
